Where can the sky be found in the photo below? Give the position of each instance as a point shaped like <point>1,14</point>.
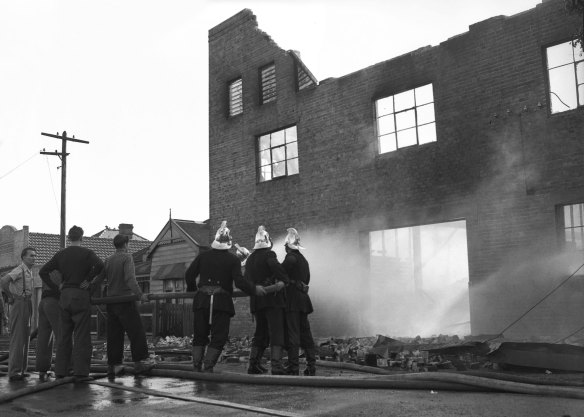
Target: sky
<point>131,77</point>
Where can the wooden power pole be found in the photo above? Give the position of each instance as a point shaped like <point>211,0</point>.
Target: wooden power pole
<point>63,156</point>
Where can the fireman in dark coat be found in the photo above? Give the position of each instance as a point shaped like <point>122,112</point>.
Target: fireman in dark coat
<point>213,305</point>
<point>262,268</point>
<point>298,307</point>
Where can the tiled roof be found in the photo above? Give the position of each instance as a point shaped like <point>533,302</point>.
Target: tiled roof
<point>198,231</point>
<point>47,245</point>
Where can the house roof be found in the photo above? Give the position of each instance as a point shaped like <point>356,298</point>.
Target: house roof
<point>196,234</point>
<point>110,233</point>
<point>198,231</point>
<point>47,245</point>
<point>142,265</point>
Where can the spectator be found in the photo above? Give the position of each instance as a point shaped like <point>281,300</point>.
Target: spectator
<point>78,266</point>
<point>18,285</point>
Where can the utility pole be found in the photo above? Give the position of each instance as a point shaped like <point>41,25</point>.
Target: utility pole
<point>63,157</point>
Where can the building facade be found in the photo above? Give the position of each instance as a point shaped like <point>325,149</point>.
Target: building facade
<point>170,254</point>
<point>443,186</point>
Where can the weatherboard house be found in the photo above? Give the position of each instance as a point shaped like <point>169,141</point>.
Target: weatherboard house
<point>440,191</point>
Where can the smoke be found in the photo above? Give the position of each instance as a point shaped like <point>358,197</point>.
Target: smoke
<point>357,294</point>
<point>531,297</point>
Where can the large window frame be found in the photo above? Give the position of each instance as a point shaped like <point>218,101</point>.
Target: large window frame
<point>405,119</point>
<point>571,226</point>
<point>565,71</point>
<point>277,154</point>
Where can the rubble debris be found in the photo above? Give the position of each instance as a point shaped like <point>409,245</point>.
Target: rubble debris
<point>546,356</point>
<point>436,353</point>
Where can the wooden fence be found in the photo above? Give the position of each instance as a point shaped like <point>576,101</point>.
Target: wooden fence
<point>167,314</point>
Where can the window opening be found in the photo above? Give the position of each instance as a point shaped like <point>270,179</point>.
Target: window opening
<point>236,97</point>
<point>565,65</point>
<point>406,119</point>
<point>268,83</point>
<point>278,154</point>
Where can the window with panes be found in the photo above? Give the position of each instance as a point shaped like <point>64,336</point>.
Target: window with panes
<point>573,225</point>
<point>278,154</point>
<point>565,66</point>
<point>406,119</point>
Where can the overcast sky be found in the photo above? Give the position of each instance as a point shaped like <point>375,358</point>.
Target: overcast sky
<point>131,77</point>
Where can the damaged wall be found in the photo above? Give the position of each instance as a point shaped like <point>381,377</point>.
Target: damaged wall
<point>501,163</point>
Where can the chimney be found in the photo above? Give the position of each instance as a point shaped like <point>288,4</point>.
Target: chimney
<point>127,229</point>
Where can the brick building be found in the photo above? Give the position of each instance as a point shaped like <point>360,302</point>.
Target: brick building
<point>437,191</point>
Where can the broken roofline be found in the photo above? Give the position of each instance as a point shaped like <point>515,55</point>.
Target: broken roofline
<point>247,14</point>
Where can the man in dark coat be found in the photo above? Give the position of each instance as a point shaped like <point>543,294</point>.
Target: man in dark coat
<point>298,307</point>
<point>78,266</point>
<point>262,268</point>
<point>213,305</point>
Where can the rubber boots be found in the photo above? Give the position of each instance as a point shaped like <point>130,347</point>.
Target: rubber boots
<point>211,357</point>
<point>276,361</point>
<point>255,358</point>
<point>198,353</point>
<point>310,362</point>
<point>293,366</point>
<point>260,356</point>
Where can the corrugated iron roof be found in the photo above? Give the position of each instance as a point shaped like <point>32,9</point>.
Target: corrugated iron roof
<point>48,244</point>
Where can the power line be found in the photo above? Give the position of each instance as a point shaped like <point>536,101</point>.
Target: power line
<point>570,335</point>
<point>18,166</point>
<point>536,304</point>
<point>52,185</point>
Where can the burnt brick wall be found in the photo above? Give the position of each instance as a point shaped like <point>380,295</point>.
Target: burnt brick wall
<point>502,162</point>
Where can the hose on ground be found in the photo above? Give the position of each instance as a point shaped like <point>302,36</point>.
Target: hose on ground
<point>484,374</point>
<point>9,396</point>
<point>424,381</point>
<point>412,381</point>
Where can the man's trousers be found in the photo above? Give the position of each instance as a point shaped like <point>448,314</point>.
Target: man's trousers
<point>125,318</point>
<point>49,332</point>
<point>20,315</point>
<point>75,340</point>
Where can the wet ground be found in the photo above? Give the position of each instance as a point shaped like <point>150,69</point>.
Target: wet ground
<point>151,398</point>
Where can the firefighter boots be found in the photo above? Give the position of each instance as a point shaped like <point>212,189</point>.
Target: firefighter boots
<point>276,361</point>
<point>198,354</point>
<point>211,357</point>
<point>310,362</point>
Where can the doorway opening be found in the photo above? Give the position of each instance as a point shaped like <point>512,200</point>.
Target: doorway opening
<point>419,280</point>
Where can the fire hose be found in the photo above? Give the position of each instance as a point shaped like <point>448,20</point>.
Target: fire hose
<point>410,381</point>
